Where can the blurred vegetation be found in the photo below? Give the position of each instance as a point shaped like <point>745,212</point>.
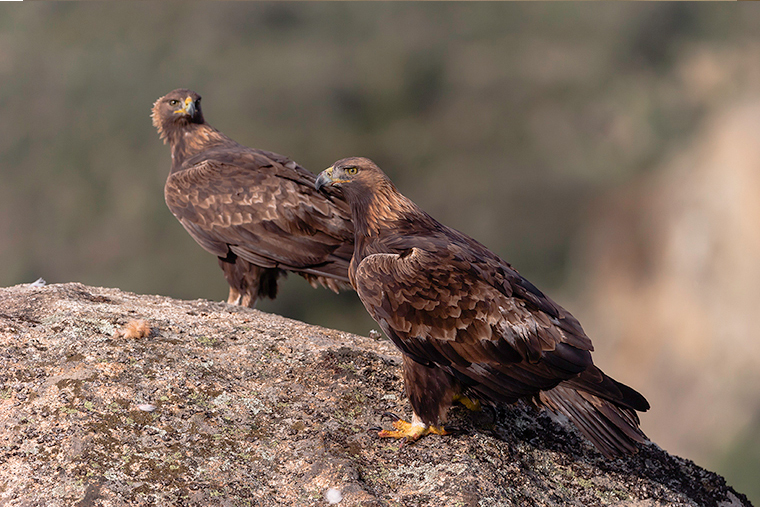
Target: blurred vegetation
<point>503,120</point>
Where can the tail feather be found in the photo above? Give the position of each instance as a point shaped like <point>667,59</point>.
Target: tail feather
<point>612,428</point>
<point>594,381</point>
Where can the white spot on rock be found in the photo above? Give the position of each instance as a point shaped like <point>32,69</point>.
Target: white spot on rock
<point>146,407</point>
<point>333,496</point>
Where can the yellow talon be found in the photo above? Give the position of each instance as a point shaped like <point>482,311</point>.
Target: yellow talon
<point>472,405</point>
<point>411,431</point>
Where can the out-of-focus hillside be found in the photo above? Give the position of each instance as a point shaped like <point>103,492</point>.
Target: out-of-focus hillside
<point>674,289</point>
<point>521,124</point>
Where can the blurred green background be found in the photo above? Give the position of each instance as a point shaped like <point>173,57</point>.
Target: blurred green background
<point>587,144</point>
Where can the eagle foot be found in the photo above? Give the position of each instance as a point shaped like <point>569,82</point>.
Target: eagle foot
<point>411,431</point>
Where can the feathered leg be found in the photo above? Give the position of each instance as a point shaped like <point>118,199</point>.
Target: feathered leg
<point>242,278</point>
<point>248,282</point>
<point>431,392</point>
<point>235,298</point>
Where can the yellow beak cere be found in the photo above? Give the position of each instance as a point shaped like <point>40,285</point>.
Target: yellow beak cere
<point>187,108</point>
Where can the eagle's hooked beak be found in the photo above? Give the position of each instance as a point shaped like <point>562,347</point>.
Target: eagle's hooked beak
<point>325,178</point>
<point>188,108</point>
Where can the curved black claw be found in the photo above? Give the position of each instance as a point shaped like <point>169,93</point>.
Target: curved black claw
<point>453,430</point>
<point>492,409</point>
<point>374,429</point>
<point>390,415</point>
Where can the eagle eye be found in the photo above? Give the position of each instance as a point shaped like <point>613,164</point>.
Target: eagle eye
<point>173,102</point>
<point>351,171</point>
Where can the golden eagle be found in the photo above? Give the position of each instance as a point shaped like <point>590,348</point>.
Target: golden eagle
<point>257,211</point>
<point>469,326</point>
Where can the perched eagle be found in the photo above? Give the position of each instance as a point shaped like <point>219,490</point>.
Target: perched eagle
<point>469,326</point>
<point>257,211</point>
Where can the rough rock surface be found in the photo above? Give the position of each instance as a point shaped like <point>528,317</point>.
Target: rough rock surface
<point>222,405</point>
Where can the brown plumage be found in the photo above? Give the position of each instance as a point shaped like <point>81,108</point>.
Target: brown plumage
<point>257,211</point>
<point>468,323</point>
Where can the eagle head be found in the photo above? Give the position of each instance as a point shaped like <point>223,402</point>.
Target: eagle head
<point>349,172</point>
<point>175,110</point>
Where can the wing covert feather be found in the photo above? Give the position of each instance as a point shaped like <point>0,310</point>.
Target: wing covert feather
<point>439,312</point>
<point>272,217</point>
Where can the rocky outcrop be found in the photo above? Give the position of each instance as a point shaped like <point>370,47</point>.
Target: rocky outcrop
<point>211,404</point>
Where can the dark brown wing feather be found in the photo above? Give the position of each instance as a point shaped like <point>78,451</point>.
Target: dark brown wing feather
<point>436,311</point>
<point>263,208</point>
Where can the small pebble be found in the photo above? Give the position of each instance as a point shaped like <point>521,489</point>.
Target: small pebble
<point>333,496</point>
<point>38,283</point>
<point>146,407</point>
<point>375,334</point>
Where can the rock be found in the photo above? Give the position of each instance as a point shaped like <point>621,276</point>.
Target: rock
<point>256,409</point>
